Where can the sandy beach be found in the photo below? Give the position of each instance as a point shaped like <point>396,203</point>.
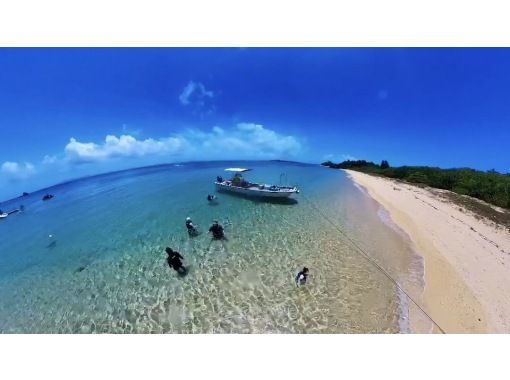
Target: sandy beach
<point>466,256</point>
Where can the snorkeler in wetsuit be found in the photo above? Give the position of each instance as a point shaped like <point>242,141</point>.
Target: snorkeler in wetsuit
<point>217,231</point>
<point>174,260</point>
<point>301,277</point>
<point>47,197</point>
<point>192,231</point>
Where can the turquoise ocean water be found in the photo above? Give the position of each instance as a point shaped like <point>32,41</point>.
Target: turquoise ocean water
<point>104,269</point>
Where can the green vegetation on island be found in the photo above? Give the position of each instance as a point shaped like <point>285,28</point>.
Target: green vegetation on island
<point>490,186</point>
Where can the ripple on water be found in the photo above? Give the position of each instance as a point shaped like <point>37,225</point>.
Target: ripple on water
<point>244,285</point>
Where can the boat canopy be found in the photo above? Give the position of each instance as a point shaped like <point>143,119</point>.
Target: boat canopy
<point>237,170</point>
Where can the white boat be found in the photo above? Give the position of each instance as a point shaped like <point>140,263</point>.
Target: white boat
<point>4,215</point>
<point>238,185</point>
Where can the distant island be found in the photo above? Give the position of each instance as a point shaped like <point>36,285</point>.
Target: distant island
<point>491,186</point>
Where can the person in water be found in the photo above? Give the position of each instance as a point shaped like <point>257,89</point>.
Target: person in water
<point>52,242</point>
<point>301,277</point>
<point>217,231</point>
<point>192,231</point>
<point>211,197</point>
<point>174,260</point>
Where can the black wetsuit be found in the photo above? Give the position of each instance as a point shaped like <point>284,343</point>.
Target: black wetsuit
<point>217,231</point>
<point>174,261</point>
<point>299,280</point>
<point>190,227</point>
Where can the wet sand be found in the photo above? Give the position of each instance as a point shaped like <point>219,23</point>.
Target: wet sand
<point>466,256</point>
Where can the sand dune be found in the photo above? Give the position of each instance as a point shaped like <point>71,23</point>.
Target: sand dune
<point>467,257</point>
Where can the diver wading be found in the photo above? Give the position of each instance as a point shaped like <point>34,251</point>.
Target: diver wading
<point>301,277</point>
<point>192,231</point>
<point>174,261</point>
<point>217,231</point>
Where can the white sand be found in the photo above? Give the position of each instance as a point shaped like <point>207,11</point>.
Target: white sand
<point>467,259</point>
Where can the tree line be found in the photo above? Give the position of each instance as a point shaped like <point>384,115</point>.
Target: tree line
<point>489,186</point>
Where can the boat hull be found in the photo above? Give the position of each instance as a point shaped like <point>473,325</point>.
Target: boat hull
<point>250,191</point>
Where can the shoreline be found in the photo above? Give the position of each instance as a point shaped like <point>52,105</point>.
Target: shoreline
<point>466,257</point>
<point>409,313</point>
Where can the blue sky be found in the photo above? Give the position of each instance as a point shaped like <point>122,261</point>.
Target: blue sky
<point>65,113</point>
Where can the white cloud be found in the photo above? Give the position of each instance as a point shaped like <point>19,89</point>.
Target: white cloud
<point>16,171</point>
<point>218,130</point>
<point>268,141</point>
<point>339,157</point>
<point>48,160</point>
<point>123,146</point>
<point>245,140</point>
<point>195,93</point>
<point>242,141</point>
<point>348,157</point>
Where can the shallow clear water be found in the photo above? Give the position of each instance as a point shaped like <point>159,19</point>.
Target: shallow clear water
<point>104,270</point>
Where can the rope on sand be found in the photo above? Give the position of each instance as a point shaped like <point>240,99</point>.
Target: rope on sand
<point>372,261</point>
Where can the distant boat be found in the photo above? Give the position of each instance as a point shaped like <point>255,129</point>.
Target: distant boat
<point>238,185</point>
<point>47,197</point>
<point>4,215</point>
